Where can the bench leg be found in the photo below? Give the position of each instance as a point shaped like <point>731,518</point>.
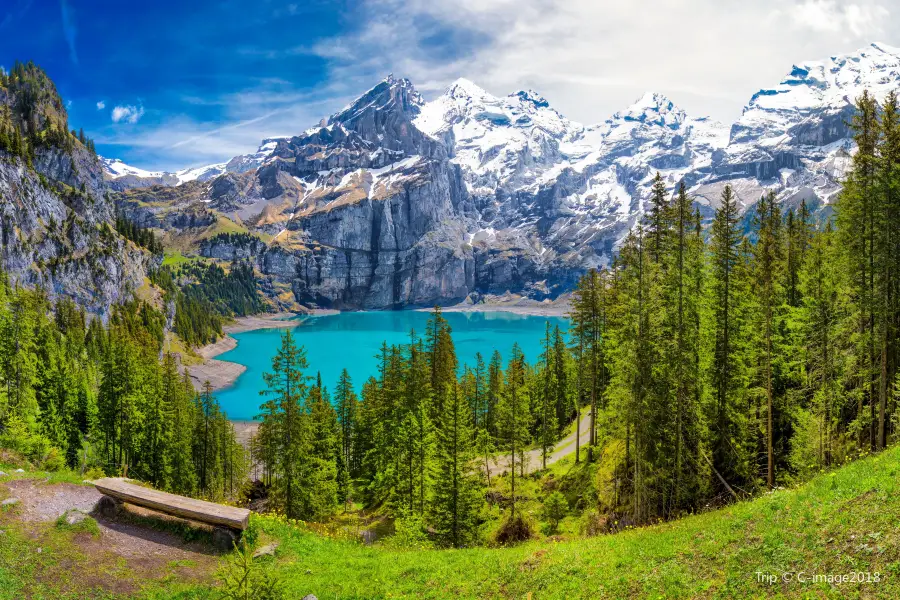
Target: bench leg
<point>224,539</point>
<point>109,507</point>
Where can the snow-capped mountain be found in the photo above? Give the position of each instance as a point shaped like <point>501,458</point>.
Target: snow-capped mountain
<point>124,176</point>
<point>525,163</point>
<point>794,137</point>
<point>504,142</point>
<point>395,201</point>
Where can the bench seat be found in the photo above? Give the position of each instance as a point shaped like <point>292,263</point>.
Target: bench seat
<point>173,504</point>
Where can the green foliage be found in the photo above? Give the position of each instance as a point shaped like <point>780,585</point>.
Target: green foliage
<point>298,438</point>
<point>141,236</point>
<point>99,399</point>
<point>409,534</point>
<point>456,501</point>
<point>555,509</point>
<point>33,115</point>
<point>205,295</point>
<point>245,578</point>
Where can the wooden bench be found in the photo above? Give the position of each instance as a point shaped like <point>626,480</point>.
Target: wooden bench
<point>228,521</point>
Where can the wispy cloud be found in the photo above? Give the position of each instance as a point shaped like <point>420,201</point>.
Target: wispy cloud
<point>593,57</point>
<point>589,58</point>
<point>828,16</point>
<point>70,31</point>
<point>15,10</point>
<point>101,105</point>
<point>178,141</point>
<point>127,114</point>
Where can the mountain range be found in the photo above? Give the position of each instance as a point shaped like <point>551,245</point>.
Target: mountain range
<point>394,201</point>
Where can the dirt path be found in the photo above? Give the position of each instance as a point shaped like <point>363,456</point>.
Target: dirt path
<point>151,552</point>
<point>564,447</point>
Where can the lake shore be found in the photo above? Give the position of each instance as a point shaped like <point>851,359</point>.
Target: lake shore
<point>512,303</point>
<point>222,374</point>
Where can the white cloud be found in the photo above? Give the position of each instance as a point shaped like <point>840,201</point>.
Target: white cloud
<point>589,58</point>
<point>829,16</point>
<point>127,114</point>
<point>178,141</point>
<point>101,105</point>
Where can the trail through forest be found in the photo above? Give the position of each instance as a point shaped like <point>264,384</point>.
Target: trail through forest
<point>563,448</point>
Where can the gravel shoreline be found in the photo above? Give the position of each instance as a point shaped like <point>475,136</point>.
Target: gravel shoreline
<point>514,304</point>
<point>222,373</point>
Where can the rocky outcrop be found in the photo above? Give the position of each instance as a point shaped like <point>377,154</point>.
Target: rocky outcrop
<point>56,218</point>
<point>61,242</point>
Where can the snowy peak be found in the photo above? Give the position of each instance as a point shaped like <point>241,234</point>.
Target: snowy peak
<point>833,83</point>
<point>463,89</point>
<point>114,167</point>
<point>653,109</point>
<point>465,102</point>
<point>390,95</point>
<point>532,97</point>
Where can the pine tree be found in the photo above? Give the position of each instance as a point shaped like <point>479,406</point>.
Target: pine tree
<point>856,225</point>
<point>767,258</point>
<point>457,489</point>
<point>479,394</point>
<point>588,324</point>
<point>323,484</point>
<point>821,284</point>
<point>494,387</point>
<point>547,399</point>
<point>726,431</point>
<point>287,384</point>
<point>347,407</point>
<point>513,417</point>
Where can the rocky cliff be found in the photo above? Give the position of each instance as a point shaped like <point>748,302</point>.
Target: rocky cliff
<point>55,213</point>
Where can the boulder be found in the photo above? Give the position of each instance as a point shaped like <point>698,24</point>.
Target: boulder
<point>10,502</point>
<point>267,550</point>
<point>75,516</point>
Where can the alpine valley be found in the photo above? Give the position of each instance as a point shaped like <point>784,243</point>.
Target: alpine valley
<point>395,201</point>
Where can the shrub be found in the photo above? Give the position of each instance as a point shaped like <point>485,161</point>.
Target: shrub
<point>53,460</point>
<point>593,523</point>
<point>17,436</point>
<point>409,533</point>
<point>94,473</point>
<point>514,529</point>
<point>555,509</point>
<point>244,579</point>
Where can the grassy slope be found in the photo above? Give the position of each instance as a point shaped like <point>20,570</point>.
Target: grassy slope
<point>840,522</point>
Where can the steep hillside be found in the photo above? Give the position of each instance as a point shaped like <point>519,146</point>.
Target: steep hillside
<point>55,215</point>
<point>842,524</point>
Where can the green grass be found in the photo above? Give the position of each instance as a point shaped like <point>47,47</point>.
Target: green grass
<point>174,258</point>
<point>843,522</point>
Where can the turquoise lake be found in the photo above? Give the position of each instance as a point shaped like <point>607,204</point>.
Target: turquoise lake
<point>352,340</point>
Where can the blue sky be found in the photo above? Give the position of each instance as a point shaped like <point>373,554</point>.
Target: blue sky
<point>192,65</point>
<point>175,83</point>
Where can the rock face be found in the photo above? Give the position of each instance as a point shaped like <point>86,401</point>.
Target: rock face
<point>55,214</point>
<point>394,201</point>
